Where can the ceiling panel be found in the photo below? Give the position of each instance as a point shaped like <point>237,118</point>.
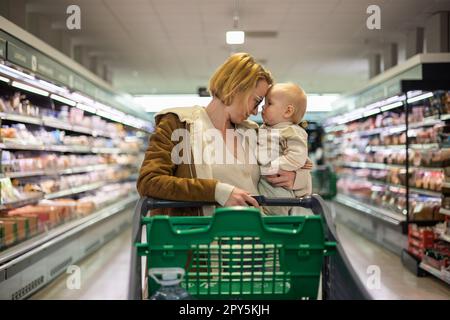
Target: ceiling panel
<point>174,45</point>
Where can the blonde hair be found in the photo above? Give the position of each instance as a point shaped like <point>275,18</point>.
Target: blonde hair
<point>238,74</point>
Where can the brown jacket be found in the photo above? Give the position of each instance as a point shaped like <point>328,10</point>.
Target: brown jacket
<point>160,178</point>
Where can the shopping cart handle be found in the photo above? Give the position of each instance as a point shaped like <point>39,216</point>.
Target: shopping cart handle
<point>289,202</point>
<point>153,203</point>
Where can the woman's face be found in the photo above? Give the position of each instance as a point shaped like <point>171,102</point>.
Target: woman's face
<point>242,107</point>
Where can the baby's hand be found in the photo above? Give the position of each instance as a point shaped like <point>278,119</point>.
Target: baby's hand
<point>283,179</point>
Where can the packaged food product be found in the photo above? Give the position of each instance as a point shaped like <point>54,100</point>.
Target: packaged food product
<point>47,215</point>
<point>9,232</point>
<point>85,207</point>
<point>21,226</point>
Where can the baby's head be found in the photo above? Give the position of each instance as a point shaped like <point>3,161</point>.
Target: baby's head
<point>285,102</point>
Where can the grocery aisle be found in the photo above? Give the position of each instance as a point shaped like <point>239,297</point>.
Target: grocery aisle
<point>396,282</point>
<point>104,274</point>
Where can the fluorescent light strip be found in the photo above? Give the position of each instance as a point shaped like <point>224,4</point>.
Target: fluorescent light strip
<point>81,99</point>
<point>29,88</point>
<point>108,116</point>
<point>52,87</point>
<point>86,108</point>
<point>356,117</point>
<point>391,106</point>
<point>63,100</point>
<point>399,129</point>
<point>372,112</point>
<point>13,72</point>
<point>4,79</point>
<point>420,97</point>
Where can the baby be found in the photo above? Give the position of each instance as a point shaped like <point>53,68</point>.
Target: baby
<point>283,144</point>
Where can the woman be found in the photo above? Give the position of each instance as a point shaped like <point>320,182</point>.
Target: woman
<point>237,87</point>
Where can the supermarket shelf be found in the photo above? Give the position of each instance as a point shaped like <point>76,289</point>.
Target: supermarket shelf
<point>59,172</point>
<point>446,184</point>
<point>21,203</point>
<point>413,190</point>
<point>429,121</point>
<point>445,117</point>
<point>59,194</point>
<point>437,273</point>
<point>380,213</point>
<point>52,123</point>
<point>426,192</point>
<point>62,148</point>
<point>20,118</point>
<point>72,191</point>
<point>430,193</point>
<point>40,242</point>
<point>425,146</point>
<point>382,166</point>
<point>444,211</point>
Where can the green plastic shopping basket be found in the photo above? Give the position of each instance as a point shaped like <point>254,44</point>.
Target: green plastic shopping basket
<point>239,254</point>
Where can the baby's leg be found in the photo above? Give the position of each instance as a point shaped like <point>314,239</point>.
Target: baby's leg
<point>266,189</point>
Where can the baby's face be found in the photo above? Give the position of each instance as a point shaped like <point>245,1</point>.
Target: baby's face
<point>274,108</point>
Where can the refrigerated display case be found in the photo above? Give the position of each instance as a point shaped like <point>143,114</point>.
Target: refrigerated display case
<point>70,151</point>
<point>390,148</point>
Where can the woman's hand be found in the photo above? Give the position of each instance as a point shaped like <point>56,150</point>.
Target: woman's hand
<point>308,165</point>
<point>239,197</point>
<point>282,179</point>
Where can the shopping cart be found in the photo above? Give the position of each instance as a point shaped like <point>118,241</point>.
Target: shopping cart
<point>324,182</point>
<point>239,254</point>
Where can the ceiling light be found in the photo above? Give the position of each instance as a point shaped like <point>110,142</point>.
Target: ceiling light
<point>29,88</point>
<point>235,37</point>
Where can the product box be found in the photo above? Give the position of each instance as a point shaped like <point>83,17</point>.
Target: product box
<point>47,215</point>
<point>419,253</point>
<point>422,244</point>
<point>21,225</point>
<point>437,264</point>
<point>9,232</point>
<point>421,233</point>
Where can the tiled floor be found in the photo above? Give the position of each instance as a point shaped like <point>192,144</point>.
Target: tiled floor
<point>105,273</point>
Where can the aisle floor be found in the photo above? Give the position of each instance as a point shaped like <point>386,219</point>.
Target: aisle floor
<point>105,273</point>
<point>396,282</point>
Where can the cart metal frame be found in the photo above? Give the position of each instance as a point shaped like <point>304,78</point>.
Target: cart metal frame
<point>339,279</point>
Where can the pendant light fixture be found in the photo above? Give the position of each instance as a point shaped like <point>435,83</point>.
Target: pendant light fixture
<point>235,36</point>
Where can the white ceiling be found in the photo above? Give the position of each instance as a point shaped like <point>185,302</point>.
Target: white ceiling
<point>173,46</point>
